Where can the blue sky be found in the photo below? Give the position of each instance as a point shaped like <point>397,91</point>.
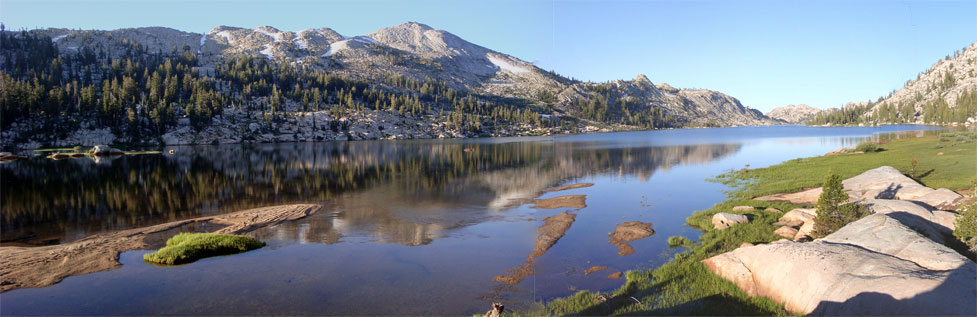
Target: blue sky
<point>765,53</point>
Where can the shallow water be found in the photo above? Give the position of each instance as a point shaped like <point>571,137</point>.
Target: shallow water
<point>408,228</point>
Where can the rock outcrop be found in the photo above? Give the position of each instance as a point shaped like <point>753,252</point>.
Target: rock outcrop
<point>883,182</point>
<point>892,262</point>
<point>944,81</point>
<point>874,266</point>
<point>793,113</point>
<point>724,220</point>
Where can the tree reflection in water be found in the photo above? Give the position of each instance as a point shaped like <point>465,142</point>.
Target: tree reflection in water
<point>399,192</point>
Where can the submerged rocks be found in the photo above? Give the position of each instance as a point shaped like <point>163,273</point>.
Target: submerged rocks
<point>593,269</point>
<point>724,220</point>
<point>546,236</point>
<point>569,201</point>
<point>568,187</point>
<point>627,232</point>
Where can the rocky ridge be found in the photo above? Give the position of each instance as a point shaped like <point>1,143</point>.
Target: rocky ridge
<point>793,113</point>
<point>945,81</point>
<point>413,50</point>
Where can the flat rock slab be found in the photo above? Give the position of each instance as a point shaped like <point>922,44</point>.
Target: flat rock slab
<point>568,201</point>
<point>568,187</point>
<point>724,220</point>
<point>884,234</point>
<point>873,266</point>
<point>743,208</point>
<point>884,182</point>
<point>553,228</point>
<point>627,232</point>
<point>933,223</point>
<point>807,197</point>
<point>940,198</point>
<point>593,269</point>
<point>42,266</point>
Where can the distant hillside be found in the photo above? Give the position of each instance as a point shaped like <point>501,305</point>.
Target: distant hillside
<point>946,93</point>
<point>163,86</point>
<point>793,113</point>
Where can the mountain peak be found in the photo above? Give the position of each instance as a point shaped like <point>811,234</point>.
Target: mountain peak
<point>641,78</point>
<point>414,25</point>
<point>267,28</point>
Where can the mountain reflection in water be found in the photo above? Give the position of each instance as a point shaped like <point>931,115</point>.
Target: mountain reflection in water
<point>400,192</point>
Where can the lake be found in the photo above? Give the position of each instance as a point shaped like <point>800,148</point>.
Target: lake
<point>408,227</point>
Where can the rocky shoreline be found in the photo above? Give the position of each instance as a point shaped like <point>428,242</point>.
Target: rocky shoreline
<point>896,261</point>
<point>31,267</point>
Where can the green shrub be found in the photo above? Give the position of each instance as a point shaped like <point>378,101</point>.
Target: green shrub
<point>189,247</point>
<point>679,241</point>
<point>833,210</point>
<point>867,147</point>
<point>966,224</point>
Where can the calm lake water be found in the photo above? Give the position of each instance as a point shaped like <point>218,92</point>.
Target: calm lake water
<point>408,228</point>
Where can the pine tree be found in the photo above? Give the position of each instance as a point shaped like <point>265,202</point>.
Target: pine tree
<point>833,212</point>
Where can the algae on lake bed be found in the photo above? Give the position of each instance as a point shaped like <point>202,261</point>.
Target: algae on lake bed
<point>188,247</point>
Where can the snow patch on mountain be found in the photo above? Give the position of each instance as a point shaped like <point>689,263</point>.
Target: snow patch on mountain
<point>226,35</point>
<point>365,40</point>
<point>267,52</point>
<point>275,34</point>
<point>505,65</point>
<point>56,38</point>
<point>301,43</point>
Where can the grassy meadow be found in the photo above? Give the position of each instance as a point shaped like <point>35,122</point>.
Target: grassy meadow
<point>684,286</point>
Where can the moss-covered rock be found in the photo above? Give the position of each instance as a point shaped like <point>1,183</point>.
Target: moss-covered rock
<point>188,247</point>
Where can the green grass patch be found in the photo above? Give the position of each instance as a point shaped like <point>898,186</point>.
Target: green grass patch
<point>684,286</point>
<point>955,169</point>
<point>679,242</point>
<point>868,147</point>
<point>65,149</point>
<point>143,152</point>
<point>188,247</point>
